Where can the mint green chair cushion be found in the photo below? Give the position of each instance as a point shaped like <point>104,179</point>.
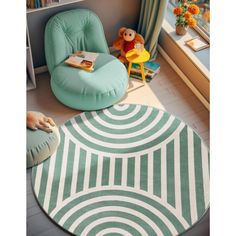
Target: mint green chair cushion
<point>40,145</point>
<point>81,29</point>
<point>90,91</point>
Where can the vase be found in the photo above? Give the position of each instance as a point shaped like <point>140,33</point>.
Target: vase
<point>181,30</point>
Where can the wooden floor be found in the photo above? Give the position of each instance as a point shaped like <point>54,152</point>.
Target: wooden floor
<point>166,91</point>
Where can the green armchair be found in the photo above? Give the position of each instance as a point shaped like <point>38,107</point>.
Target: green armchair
<point>81,29</point>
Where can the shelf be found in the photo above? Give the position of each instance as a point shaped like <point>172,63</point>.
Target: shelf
<point>30,85</point>
<point>30,76</point>
<point>52,5</point>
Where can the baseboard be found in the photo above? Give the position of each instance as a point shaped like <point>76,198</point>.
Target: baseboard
<point>184,77</point>
<point>40,69</point>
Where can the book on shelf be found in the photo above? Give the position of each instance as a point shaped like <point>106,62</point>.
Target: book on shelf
<point>33,4</point>
<point>30,4</point>
<point>151,68</point>
<point>82,60</point>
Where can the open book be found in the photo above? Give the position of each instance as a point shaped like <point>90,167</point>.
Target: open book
<point>83,60</point>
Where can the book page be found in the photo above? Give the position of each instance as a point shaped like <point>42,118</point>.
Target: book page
<point>88,56</point>
<point>83,60</point>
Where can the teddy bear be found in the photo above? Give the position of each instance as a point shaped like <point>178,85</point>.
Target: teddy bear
<point>128,39</point>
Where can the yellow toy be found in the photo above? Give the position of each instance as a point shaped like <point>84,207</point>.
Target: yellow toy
<point>138,57</point>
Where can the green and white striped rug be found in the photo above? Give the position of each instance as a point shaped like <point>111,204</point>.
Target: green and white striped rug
<point>126,170</point>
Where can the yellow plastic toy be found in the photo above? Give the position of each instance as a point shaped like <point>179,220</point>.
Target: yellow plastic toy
<point>139,57</point>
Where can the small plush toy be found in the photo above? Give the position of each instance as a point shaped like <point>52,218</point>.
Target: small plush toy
<point>128,39</point>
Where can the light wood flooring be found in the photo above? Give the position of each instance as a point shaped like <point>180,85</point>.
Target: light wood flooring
<point>166,91</point>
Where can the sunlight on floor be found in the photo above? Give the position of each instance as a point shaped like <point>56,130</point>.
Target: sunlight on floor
<point>140,93</point>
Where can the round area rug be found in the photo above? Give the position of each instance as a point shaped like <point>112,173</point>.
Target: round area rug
<point>125,170</point>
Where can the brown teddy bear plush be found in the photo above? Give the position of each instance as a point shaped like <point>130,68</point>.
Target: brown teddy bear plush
<point>126,41</point>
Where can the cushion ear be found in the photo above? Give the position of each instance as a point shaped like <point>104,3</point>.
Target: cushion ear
<point>139,38</point>
<point>121,31</point>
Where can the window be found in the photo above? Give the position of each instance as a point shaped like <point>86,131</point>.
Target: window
<point>203,18</point>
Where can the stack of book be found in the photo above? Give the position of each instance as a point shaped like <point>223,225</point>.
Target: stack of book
<point>83,60</point>
<point>151,68</point>
<point>32,4</point>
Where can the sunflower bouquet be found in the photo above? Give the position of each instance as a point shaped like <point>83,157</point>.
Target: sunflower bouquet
<point>184,13</point>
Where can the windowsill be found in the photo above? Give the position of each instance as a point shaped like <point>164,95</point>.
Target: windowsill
<point>200,58</point>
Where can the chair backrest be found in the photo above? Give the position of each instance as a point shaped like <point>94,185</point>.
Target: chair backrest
<point>70,31</point>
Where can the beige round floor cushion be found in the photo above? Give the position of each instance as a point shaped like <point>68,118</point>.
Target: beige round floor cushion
<point>41,145</point>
